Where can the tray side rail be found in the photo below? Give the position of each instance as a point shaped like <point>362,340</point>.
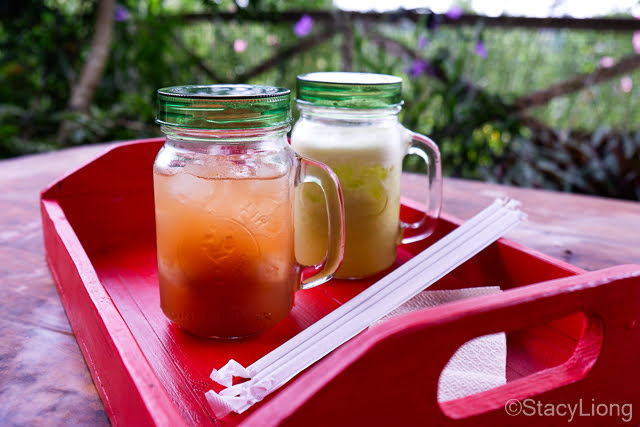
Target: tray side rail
<point>129,390</point>
<point>389,375</point>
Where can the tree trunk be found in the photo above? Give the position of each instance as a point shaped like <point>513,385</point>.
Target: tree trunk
<point>82,92</point>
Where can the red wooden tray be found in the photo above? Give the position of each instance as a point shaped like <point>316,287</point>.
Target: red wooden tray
<point>573,337</point>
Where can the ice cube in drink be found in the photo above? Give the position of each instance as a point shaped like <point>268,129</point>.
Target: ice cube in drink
<point>226,260</point>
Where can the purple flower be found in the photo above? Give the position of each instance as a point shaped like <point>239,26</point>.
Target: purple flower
<point>303,26</point>
<point>121,13</point>
<point>626,84</point>
<point>423,41</point>
<point>607,62</point>
<point>239,45</point>
<point>455,12</point>
<point>418,67</point>
<point>636,41</point>
<point>480,49</point>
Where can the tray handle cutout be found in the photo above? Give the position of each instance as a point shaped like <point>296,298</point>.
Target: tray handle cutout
<point>573,369</point>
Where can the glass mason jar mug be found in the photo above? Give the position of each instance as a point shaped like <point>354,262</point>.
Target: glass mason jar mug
<point>349,121</point>
<point>224,185</point>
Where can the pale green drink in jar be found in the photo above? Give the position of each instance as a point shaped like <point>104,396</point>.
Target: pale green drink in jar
<point>349,121</point>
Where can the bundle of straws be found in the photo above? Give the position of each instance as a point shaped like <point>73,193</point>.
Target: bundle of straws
<point>282,364</point>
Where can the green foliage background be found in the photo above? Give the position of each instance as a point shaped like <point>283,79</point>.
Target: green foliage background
<point>592,144</point>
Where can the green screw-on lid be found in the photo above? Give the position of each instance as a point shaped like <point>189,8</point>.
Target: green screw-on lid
<point>349,90</point>
<point>225,106</point>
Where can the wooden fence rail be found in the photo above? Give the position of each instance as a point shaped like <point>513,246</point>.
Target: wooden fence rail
<point>419,15</point>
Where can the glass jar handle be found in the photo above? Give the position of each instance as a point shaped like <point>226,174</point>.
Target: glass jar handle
<point>427,150</point>
<point>318,173</point>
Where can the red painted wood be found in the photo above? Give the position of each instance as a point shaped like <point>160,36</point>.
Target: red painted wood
<point>414,349</point>
<point>99,235</point>
<point>129,389</point>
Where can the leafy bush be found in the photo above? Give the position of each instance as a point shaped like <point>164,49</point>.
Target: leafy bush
<point>604,163</point>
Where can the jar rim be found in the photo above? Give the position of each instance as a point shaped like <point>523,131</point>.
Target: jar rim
<point>349,90</point>
<point>223,106</point>
<point>223,91</point>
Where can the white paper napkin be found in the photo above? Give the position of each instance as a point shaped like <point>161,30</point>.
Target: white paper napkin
<point>479,364</point>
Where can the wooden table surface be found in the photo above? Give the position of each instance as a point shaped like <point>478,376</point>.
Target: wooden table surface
<point>43,377</point>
